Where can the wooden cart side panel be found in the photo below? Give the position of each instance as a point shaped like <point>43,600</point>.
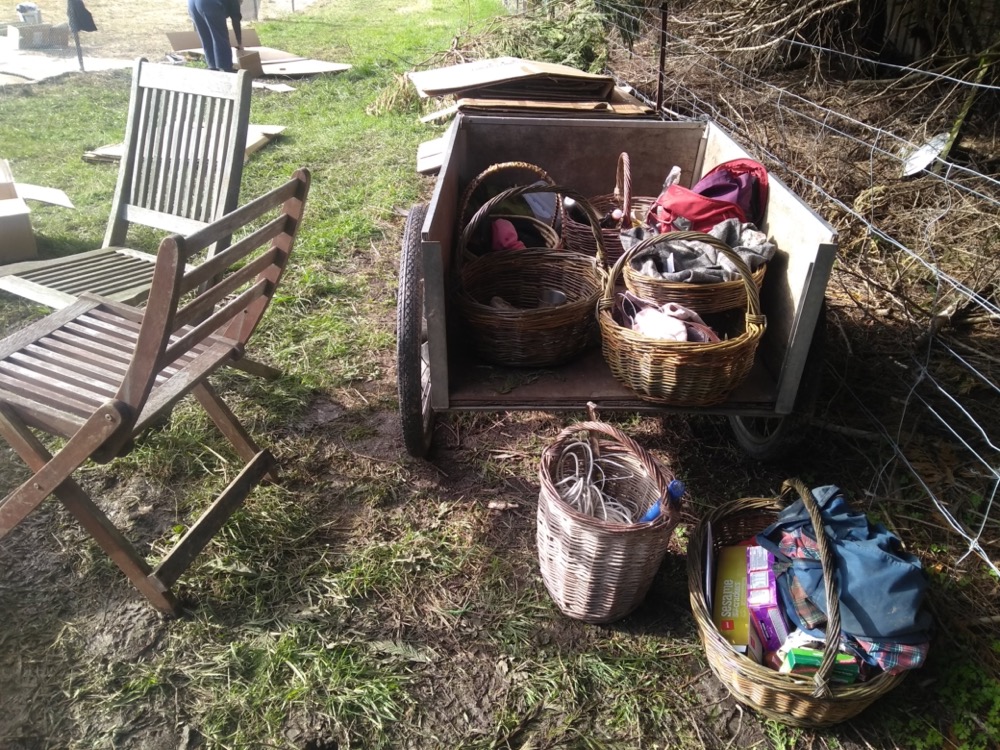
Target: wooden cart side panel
<point>796,279</point>
<point>583,154</point>
<point>437,241</point>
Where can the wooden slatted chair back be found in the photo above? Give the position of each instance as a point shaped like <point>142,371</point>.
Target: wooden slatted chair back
<point>184,149</point>
<point>219,301</point>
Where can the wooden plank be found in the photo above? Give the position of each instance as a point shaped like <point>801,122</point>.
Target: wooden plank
<point>478,385</point>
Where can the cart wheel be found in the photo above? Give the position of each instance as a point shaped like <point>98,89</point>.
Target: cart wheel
<point>770,438</point>
<point>412,357</point>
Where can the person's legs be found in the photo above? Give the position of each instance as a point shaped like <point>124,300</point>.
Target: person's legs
<point>210,22</point>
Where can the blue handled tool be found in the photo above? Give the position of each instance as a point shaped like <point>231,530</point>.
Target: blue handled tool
<point>675,490</point>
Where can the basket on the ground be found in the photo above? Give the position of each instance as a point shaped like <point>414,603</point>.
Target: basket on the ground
<point>791,699</point>
<point>501,295</point>
<point>594,570</point>
<point>702,298</point>
<point>681,373</point>
<point>498,177</point>
<point>577,234</point>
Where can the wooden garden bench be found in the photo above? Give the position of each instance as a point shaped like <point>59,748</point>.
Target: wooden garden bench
<point>97,372</point>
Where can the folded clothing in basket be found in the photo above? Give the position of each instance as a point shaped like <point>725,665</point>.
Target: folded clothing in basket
<point>669,321</point>
<point>699,262</point>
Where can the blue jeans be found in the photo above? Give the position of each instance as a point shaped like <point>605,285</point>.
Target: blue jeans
<point>210,18</point>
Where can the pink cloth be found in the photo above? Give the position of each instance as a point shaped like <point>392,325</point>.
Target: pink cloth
<point>505,236</point>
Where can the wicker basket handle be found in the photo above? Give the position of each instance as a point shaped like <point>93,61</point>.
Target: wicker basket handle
<point>623,187</point>
<point>487,208</point>
<point>826,558</point>
<point>493,169</point>
<point>753,314</point>
<point>661,476</point>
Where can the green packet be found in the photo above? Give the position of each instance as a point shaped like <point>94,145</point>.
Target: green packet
<point>807,661</point>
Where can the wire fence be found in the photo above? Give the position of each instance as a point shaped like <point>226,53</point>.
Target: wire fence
<point>868,141</point>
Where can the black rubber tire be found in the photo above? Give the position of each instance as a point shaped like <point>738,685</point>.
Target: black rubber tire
<point>412,366</point>
<point>771,438</point>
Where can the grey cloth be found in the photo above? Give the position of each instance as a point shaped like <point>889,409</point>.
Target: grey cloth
<point>699,262</point>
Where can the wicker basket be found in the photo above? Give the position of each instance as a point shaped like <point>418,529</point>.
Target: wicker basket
<point>524,334</point>
<point>680,373</point>
<point>501,173</point>
<point>578,236</point>
<point>702,298</point>
<point>795,700</point>
<point>594,570</point>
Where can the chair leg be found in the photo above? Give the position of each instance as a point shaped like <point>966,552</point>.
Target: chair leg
<point>184,552</point>
<point>49,471</point>
<point>116,546</point>
<point>253,367</point>
<point>228,424</point>
<point>89,515</point>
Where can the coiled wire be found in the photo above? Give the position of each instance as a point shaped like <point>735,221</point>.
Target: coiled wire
<point>587,482</point>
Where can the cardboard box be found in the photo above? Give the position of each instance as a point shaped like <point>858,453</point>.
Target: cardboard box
<point>730,612</point>
<point>17,238</point>
<point>29,36</point>
<point>762,598</point>
<point>249,61</point>
<point>273,62</point>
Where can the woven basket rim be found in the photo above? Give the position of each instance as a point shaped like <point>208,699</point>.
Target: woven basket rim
<point>487,208</point>
<point>479,179</point>
<point>655,470</point>
<point>756,322</point>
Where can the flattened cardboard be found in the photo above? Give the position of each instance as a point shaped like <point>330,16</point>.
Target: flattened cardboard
<point>620,105</point>
<point>258,136</point>
<point>513,78</point>
<point>430,155</point>
<point>273,62</point>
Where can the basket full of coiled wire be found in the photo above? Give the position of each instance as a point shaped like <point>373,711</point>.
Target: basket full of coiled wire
<point>605,516</point>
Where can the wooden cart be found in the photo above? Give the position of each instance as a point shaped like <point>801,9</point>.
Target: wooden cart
<point>437,374</point>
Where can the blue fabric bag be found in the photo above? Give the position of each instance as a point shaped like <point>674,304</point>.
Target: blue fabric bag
<point>881,587</point>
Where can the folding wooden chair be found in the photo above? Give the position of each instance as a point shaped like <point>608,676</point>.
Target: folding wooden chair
<point>181,169</point>
<point>98,372</point>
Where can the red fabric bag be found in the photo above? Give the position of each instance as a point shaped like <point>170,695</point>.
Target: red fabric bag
<point>735,189</point>
<point>703,213</point>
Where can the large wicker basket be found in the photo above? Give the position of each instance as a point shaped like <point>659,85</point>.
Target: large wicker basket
<point>505,175</point>
<point>702,298</point>
<point>681,373</point>
<point>790,699</point>
<point>578,236</point>
<point>594,570</point>
<point>525,334</point>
